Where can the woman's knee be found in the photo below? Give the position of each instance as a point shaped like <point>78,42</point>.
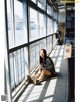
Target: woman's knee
<point>46,72</point>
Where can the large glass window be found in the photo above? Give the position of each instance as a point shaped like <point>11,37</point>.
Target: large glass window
<point>49,44</point>
<point>42,25</point>
<point>37,52</point>
<point>33,1</point>
<point>33,25</point>
<point>18,66</point>
<point>32,56</point>
<point>10,33</point>
<point>49,10</point>
<point>49,26</point>
<point>42,44</point>
<point>55,26</point>
<point>42,4</point>
<point>20,28</point>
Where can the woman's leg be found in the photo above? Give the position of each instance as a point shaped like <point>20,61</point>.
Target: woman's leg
<point>43,73</point>
<point>38,74</point>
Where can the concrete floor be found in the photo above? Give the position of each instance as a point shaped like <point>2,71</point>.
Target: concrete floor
<point>54,89</point>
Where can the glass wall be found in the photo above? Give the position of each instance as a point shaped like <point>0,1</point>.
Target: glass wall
<point>38,26</point>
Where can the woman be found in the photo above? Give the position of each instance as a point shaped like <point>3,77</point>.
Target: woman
<point>47,68</point>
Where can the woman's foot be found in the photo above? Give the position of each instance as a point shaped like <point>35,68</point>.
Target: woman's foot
<point>38,82</point>
<point>34,79</point>
<point>29,79</point>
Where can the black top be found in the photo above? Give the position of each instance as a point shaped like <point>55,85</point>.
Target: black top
<point>48,64</point>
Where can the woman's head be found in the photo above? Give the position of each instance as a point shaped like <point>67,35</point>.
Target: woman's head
<point>43,55</point>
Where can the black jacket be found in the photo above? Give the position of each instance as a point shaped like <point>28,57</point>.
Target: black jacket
<point>48,65</point>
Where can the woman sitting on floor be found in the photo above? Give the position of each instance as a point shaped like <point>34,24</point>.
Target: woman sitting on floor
<point>47,68</point>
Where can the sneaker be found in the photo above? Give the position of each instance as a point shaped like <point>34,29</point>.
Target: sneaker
<point>34,79</point>
<point>29,79</point>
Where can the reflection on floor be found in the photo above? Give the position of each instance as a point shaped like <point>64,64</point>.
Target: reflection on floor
<point>56,88</point>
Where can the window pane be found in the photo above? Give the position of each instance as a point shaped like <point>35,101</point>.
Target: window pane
<point>39,4</point>
<point>10,33</point>
<point>33,25</point>
<point>43,44</point>
<point>37,53</point>
<point>12,70</point>
<point>55,26</point>
<point>42,25</point>
<point>49,44</point>
<point>32,56</point>
<point>20,28</point>
<point>49,26</point>
<point>42,4</point>
<point>49,10</point>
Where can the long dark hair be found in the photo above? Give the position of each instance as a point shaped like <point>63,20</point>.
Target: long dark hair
<point>43,61</point>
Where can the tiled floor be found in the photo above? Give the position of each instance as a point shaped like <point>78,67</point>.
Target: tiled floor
<point>54,89</point>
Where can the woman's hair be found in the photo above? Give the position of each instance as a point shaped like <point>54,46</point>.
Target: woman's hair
<point>45,55</point>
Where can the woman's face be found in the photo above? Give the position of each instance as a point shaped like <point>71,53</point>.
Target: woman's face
<point>42,54</point>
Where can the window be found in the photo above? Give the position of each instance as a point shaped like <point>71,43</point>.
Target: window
<point>20,28</point>
<point>42,4</point>
<point>9,20</point>
<point>42,25</point>
<point>42,44</point>
<point>55,26</point>
<point>49,26</point>
<point>33,25</point>
<point>49,44</point>
<point>49,10</point>
<point>32,56</point>
<point>18,66</point>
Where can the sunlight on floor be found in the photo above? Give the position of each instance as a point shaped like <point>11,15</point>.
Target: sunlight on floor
<point>58,64</point>
<point>51,88</point>
<point>56,53</point>
<point>35,94</point>
<point>48,99</point>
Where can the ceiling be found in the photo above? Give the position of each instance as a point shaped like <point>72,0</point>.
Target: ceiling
<point>60,4</point>
<point>56,4</point>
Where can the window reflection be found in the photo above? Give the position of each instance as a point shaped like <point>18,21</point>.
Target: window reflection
<point>49,44</point>
<point>9,20</point>
<point>49,26</point>
<point>32,56</point>
<point>33,25</point>
<point>20,34</point>
<point>42,25</point>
